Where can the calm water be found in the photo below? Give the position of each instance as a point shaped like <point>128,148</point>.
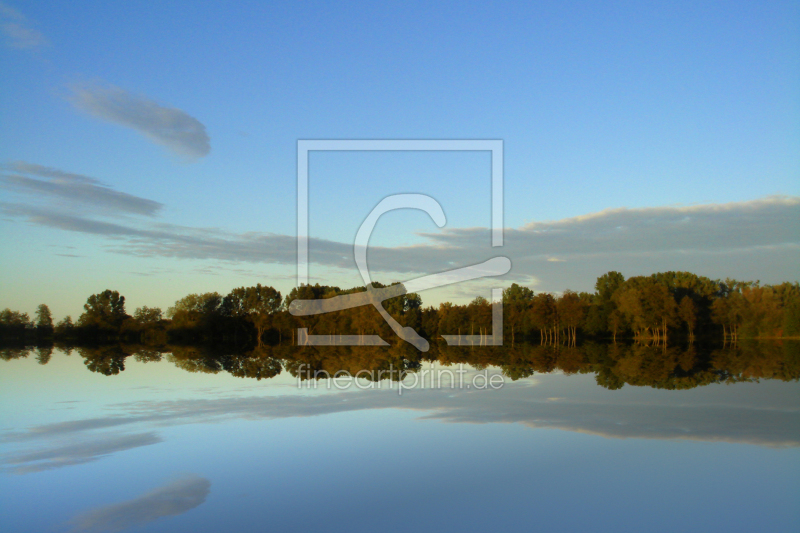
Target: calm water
<point>154,447</point>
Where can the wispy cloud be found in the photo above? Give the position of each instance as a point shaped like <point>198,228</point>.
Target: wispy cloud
<point>43,182</point>
<point>17,30</point>
<point>770,226</point>
<point>170,127</point>
<point>766,221</point>
<point>172,499</point>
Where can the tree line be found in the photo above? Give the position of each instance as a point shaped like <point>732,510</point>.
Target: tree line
<point>648,309</point>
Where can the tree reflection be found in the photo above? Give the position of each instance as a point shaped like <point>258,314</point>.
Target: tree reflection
<point>613,364</point>
<point>258,364</point>
<point>9,353</point>
<point>44,354</point>
<point>108,360</point>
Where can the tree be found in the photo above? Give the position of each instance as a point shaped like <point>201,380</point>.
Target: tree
<point>105,310</point>
<point>65,326</point>
<point>480,314</point>
<point>688,314</point>
<point>790,294</point>
<point>453,319</point>
<point>13,324</point>
<point>516,303</point>
<point>728,310</point>
<point>14,318</point>
<point>544,316</point>
<point>147,316</point>
<point>607,284</point>
<point>648,306</point>
<point>604,304</point>
<point>616,321</point>
<point>660,309</point>
<point>256,304</point>
<point>195,310</point>
<point>44,319</point>
<point>570,311</point>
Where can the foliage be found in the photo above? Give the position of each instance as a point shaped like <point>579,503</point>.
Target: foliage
<point>104,311</point>
<point>649,309</point>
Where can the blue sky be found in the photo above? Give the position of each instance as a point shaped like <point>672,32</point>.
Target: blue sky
<point>674,111</point>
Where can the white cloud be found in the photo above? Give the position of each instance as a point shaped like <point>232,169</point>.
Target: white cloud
<point>170,127</point>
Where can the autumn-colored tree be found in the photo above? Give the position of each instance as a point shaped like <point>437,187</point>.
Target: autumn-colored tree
<point>480,316</point>
<point>14,318</point>
<point>195,310</point>
<point>571,311</point>
<point>687,312</point>
<point>105,311</point>
<point>257,304</point>
<point>516,306</point>
<point>544,316</point>
<point>44,319</point>
<point>616,322</point>
<point>148,316</point>
<point>648,306</point>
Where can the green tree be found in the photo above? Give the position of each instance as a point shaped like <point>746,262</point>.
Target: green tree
<point>603,303</point>
<point>648,306</point>
<point>105,310</point>
<point>257,304</point>
<point>195,310</point>
<point>148,316</point>
<point>516,304</point>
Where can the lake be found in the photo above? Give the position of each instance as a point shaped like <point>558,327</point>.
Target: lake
<point>533,438</point>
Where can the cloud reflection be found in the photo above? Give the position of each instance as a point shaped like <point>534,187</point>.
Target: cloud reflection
<point>76,452</point>
<point>173,499</point>
<point>741,414</point>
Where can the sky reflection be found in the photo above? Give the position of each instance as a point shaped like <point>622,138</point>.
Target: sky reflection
<point>273,452</point>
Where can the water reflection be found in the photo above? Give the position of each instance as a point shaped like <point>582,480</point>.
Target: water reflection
<point>172,499</point>
<point>75,451</point>
<point>614,365</point>
<point>662,413</point>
